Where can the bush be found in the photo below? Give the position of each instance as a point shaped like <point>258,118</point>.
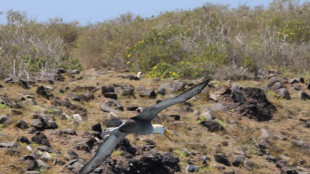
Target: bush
<point>163,70</point>
<point>211,40</point>
<point>163,55</point>
<point>155,47</point>
<point>295,31</point>
<point>26,47</point>
<point>248,63</point>
<point>102,45</point>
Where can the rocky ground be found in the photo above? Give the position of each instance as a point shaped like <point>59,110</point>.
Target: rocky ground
<point>52,124</point>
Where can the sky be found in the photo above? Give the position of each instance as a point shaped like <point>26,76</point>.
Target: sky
<point>93,11</point>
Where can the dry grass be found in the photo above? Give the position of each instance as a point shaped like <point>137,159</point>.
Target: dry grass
<point>240,134</point>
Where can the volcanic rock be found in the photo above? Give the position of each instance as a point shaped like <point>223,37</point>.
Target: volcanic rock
<point>237,94</point>
<point>192,168</point>
<point>132,108</point>
<point>5,119</point>
<point>8,144</point>
<point>40,138</point>
<point>115,104</point>
<point>105,108</point>
<point>162,162</point>
<point>109,92</point>
<point>75,165</point>
<point>25,84</point>
<point>271,85</point>
<point>125,90</point>
<point>294,80</point>
<point>47,122</point>
<point>304,96</point>
<point>238,160</point>
<point>23,139</point>
<point>86,144</point>
<point>111,95</point>
<point>256,105</point>
<point>212,125</point>
<point>114,122</point>
<point>297,87</point>
<point>9,102</point>
<point>41,90</point>
<point>161,91</point>
<point>174,86</point>
<point>96,127</point>
<point>143,92</point>
<point>283,92</point>
<point>37,123</point>
<point>30,161</point>
<point>43,165</point>
<point>222,158</point>
<point>105,89</point>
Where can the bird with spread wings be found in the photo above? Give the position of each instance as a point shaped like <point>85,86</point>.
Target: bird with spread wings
<point>140,124</point>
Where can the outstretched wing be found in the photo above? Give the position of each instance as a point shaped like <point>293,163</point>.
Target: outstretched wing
<point>150,112</point>
<point>105,149</point>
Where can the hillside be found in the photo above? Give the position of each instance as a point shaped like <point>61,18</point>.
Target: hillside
<point>254,126</point>
<point>209,41</point>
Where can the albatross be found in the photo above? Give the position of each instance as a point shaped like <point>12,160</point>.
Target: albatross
<point>140,124</point>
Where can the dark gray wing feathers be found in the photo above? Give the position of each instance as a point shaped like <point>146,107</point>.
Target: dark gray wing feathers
<point>150,112</point>
<point>105,150</point>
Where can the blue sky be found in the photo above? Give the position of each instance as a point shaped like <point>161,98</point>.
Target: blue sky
<point>93,11</point>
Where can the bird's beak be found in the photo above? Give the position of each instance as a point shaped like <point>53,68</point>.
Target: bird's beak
<point>168,134</point>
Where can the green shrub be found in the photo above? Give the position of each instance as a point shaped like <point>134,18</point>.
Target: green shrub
<point>211,56</point>
<point>155,47</point>
<point>69,63</point>
<point>295,31</point>
<point>180,70</point>
<point>248,63</point>
<point>162,70</point>
<point>162,55</point>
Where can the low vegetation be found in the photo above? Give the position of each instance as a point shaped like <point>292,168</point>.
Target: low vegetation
<point>207,41</point>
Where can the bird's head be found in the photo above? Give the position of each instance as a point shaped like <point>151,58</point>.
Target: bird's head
<point>160,129</point>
